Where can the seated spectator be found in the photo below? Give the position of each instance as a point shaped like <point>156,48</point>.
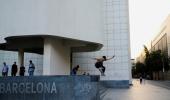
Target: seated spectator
<point>74,70</point>
<point>22,71</point>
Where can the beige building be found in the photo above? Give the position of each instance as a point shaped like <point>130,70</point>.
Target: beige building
<point>160,42</point>
<point>140,57</point>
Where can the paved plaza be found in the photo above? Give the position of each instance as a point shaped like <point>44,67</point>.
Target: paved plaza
<point>149,90</point>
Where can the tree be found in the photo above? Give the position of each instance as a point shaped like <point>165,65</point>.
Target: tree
<point>156,60</point>
<point>140,68</point>
<point>134,73</point>
<point>153,62</point>
<point>166,62</point>
<point>147,61</point>
<point>146,51</point>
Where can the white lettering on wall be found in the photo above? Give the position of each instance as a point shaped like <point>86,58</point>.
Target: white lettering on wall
<point>28,88</point>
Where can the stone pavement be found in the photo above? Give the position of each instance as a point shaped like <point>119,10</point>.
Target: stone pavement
<point>164,84</point>
<point>146,91</point>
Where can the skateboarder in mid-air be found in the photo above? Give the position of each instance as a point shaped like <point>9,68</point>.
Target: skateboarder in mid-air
<point>99,64</point>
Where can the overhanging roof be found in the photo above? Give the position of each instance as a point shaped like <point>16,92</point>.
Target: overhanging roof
<point>35,44</point>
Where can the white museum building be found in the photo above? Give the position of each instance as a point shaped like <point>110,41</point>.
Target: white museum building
<point>60,34</point>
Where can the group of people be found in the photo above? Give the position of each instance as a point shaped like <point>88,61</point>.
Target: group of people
<point>99,65</point>
<point>14,69</point>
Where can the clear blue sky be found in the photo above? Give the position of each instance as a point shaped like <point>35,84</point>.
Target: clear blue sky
<point>146,17</point>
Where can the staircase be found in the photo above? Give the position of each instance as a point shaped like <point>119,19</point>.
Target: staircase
<point>102,91</point>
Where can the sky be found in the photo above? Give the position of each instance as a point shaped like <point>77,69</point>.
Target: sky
<point>146,17</point>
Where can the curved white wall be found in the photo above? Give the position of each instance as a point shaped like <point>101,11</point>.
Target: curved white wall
<point>77,19</point>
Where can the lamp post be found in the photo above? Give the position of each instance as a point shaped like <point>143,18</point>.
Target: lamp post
<point>163,69</point>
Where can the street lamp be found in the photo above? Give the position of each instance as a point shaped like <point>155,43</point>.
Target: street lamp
<point>163,69</point>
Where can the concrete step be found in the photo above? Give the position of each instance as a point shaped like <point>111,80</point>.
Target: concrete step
<point>102,91</point>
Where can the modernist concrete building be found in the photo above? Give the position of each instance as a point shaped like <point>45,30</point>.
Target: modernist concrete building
<point>67,33</point>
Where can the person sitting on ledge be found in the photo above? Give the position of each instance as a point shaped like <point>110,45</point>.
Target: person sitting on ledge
<point>84,73</point>
<point>22,71</point>
<point>74,70</point>
<point>99,64</point>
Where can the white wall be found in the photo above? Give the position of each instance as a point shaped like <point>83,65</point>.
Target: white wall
<point>56,57</point>
<point>116,42</point>
<point>77,19</point>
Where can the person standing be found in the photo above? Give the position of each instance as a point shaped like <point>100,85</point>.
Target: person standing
<point>140,79</point>
<point>22,71</point>
<point>14,69</point>
<point>99,64</point>
<point>5,70</point>
<point>31,68</point>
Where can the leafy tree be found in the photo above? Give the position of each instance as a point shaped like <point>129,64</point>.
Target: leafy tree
<point>140,68</point>
<point>147,61</point>
<point>134,73</point>
<point>156,60</point>
<point>166,62</point>
<point>146,51</point>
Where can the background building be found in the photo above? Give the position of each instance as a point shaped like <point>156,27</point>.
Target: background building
<point>160,42</point>
<point>141,57</point>
<point>94,22</point>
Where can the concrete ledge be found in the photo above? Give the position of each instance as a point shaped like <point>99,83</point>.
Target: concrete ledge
<point>49,88</point>
<point>115,83</point>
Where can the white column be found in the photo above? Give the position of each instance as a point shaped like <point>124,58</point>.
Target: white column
<point>20,57</point>
<point>56,60</point>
